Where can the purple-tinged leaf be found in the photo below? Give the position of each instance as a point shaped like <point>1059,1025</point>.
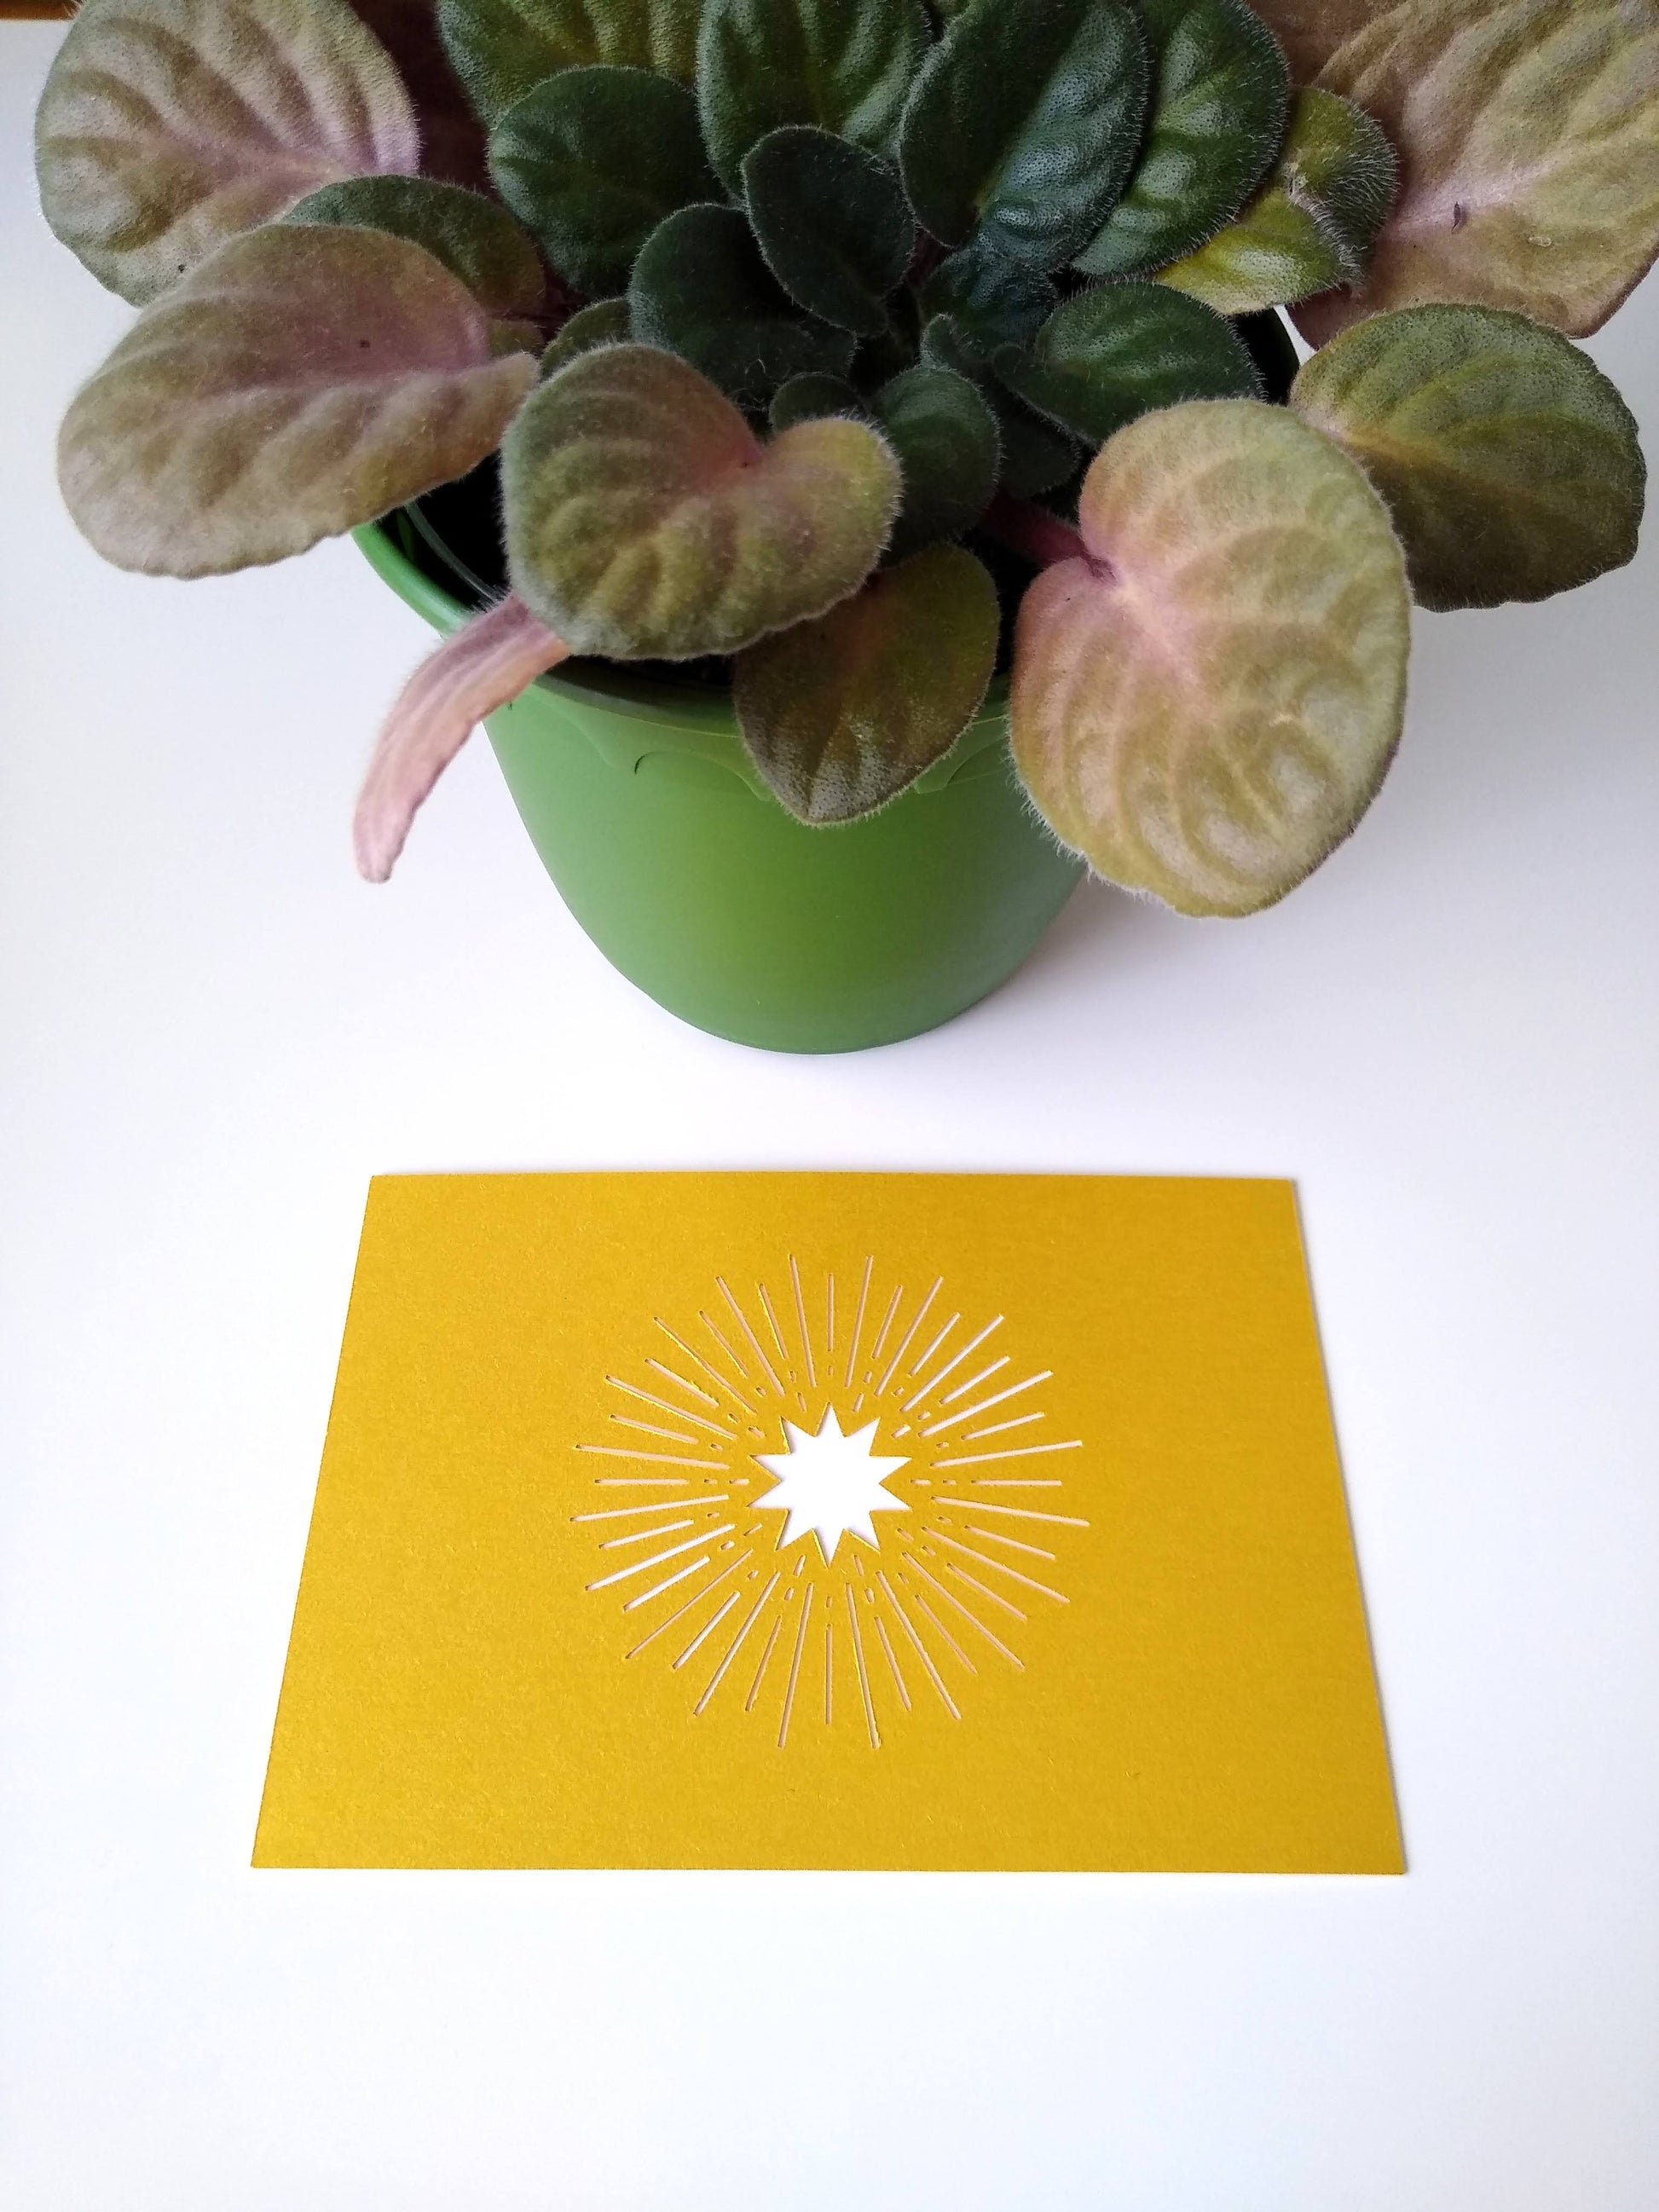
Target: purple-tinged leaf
<point>304,380</point>
<point>646,520</point>
<point>475,239</point>
<point>452,136</point>
<point>497,655</point>
<point>167,127</point>
<point>1207,698</point>
<point>1528,132</point>
<point>1310,30</point>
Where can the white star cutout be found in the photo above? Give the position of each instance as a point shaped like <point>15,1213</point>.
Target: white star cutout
<point>829,1484</point>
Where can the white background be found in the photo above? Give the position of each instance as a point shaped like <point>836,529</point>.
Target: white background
<point>213,1036</point>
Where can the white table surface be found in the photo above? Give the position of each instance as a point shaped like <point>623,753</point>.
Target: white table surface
<point>213,1036</point>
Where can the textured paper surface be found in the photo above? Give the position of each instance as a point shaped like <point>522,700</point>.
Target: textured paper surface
<point>1110,1619</point>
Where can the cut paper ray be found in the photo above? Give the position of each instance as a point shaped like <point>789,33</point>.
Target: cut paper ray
<point>837,1520</point>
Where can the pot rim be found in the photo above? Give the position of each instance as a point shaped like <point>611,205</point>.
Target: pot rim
<point>609,684</point>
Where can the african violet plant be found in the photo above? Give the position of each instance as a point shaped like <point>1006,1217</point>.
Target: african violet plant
<point>821,334</point>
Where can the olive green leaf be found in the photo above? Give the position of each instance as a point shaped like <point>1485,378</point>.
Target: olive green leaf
<point>1510,464</point>
<point>301,381</point>
<point>503,49</point>
<point>1206,704</point>
<point>1024,125</point>
<point>699,288</point>
<point>1036,456</point>
<point>1528,137</point>
<point>167,126</point>
<point>805,399</point>
<point>832,223</point>
<point>1310,30</point>
<point>992,301</point>
<point>1120,350</point>
<point>840,714</point>
<point>844,65</point>
<point>1220,100</point>
<point>475,239</point>
<point>1312,225</point>
<point>593,160</point>
<point>949,448</point>
<point>604,322</point>
<point>646,520</point>
<point>488,662</point>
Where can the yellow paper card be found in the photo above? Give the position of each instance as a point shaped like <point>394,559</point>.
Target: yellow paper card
<point>866,1521</point>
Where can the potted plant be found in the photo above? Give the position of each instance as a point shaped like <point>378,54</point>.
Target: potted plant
<point>861,437</point>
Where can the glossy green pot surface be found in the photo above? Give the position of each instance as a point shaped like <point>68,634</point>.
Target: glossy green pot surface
<point>691,879</point>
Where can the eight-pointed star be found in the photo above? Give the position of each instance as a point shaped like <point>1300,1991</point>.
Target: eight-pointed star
<point>830,1483</point>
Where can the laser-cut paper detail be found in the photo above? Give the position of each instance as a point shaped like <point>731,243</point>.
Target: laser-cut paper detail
<point>455,1696</point>
<point>731,1395</point>
<point>829,1484</point>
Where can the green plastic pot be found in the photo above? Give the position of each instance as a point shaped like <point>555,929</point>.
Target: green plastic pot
<point>691,879</point>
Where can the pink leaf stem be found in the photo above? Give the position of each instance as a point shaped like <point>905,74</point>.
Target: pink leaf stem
<point>483,666</point>
<point>1036,534</point>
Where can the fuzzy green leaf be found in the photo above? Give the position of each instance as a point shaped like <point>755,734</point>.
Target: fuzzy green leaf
<point>992,300</point>
<point>700,289</point>
<point>1120,350</point>
<point>1311,226</point>
<point>503,49</point>
<point>646,520</point>
<point>604,322</point>
<point>167,127</point>
<point>1220,100</point>
<point>1528,137</point>
<point>843,65</point>
<point>842,715</point>
<point>1036,456</point>
<point>1206,704</point>
<point>593,160</point>
<point>806,398</point>
<point>1510,464</point>
<point>1024,125</point>
<point>832,223</point>
<point>302,380</point>
<point>881,358</point>
<point>475,239</point>
<point>949,448</point>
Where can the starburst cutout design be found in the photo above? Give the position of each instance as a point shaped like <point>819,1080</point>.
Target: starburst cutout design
<point>830,1484</point>
<point>792,1390</point>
